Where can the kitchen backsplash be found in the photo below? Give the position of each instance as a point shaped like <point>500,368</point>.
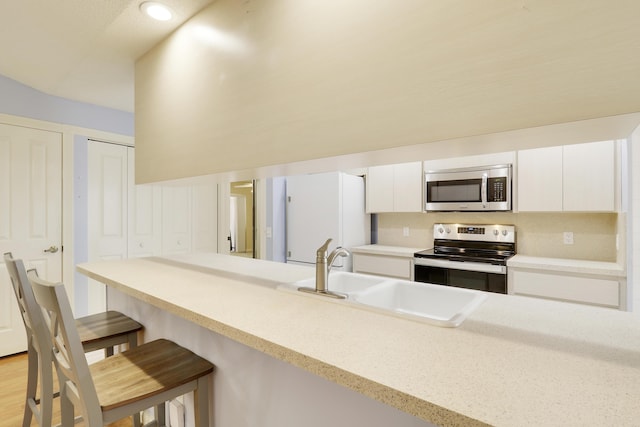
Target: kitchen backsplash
<point>537,234</point>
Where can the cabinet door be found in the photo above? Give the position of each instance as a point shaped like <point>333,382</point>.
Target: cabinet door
<point>380,189</point>
<point>407,189</point>
<point>382,265</point>
<point>566,287</point>
<point>540,180</point>
<point>589,177</point>
<point>176,220</point>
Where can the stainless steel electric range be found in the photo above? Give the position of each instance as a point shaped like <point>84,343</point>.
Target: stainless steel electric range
<point>472,256</point>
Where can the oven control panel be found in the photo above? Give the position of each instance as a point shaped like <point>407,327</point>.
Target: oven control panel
<point>478,232</point>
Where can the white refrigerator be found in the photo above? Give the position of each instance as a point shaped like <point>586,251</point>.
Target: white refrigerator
<point>322,206</point>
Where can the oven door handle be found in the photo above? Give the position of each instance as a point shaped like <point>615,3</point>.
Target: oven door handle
<point>483,190</point>
<point>461,265</point>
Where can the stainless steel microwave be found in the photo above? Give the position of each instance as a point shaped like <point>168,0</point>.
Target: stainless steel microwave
<point>476,189</point>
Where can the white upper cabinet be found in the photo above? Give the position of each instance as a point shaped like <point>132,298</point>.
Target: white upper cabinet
<point>575,178</point>
<point>588,174</point>
<point>407,180</point>
<point>540,180</point>
<point>395,188</point>
<point>380,187</point>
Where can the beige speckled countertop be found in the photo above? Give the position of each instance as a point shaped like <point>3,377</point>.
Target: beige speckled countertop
<point>399,251</point>
<point>567,265</point>
<point>513,362</point>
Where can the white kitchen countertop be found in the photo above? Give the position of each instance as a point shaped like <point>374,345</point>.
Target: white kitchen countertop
<point>515,361</point>
<point>567,265</point>
<point>398,251</point>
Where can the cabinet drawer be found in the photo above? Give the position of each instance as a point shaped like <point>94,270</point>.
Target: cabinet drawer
<point>581,289</point>
<point>399,267</point>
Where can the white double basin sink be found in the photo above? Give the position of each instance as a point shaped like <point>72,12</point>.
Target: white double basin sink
<point>435,304</point>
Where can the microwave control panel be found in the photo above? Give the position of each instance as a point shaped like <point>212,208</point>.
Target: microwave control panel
<point>497,189</point>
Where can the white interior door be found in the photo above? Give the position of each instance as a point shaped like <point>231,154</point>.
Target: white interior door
<point>30,216</point>
<point>145,216</point>
<point>238,223</point>
<point>204,218</point>
<point>176,220</point>
<point>107,211</point>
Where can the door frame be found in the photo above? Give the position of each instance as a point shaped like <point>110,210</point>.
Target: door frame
<point>69,132</point>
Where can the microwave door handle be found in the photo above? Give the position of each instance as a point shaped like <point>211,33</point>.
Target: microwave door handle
<point>483,190</point>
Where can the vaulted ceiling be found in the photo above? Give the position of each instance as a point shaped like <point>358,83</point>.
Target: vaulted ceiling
<point>82,50</point>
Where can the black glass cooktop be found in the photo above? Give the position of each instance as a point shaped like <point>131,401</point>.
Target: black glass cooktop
<point>470,251</point>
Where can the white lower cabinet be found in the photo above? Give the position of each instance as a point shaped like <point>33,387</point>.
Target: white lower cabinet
<point>579,288</point>
<point>383,265</point>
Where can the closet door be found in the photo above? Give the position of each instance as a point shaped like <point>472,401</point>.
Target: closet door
<point>145,216</point>
<point>204,218</point>
<point>107,211</point>
<point>30,217</point>
<point>176,220</point>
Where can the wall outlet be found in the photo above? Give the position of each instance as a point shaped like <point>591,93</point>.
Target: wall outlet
<point>405,231</point>
<point>568,237</point>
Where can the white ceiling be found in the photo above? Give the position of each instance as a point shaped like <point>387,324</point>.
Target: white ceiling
<point>84,50</point>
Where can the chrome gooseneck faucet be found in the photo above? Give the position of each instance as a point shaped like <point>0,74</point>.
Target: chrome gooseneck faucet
<point>324,263</point>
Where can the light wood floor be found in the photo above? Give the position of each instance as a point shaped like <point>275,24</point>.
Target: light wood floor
<point>13,383</point>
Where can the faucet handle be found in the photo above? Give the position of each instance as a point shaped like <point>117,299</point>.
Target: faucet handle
<point>322,250</point>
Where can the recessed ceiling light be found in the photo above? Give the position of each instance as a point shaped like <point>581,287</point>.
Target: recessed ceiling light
<point>156,10</point>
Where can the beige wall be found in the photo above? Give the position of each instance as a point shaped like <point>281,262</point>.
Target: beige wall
<point>248,84</point>
<point>538,234</point>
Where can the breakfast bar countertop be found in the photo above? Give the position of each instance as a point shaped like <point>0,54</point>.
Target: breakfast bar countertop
<point>514,361</point>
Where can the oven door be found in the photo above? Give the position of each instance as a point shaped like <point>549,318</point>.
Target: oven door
<point>470,275</point>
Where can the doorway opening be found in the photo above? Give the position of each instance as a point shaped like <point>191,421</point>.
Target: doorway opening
<point>242,219</point>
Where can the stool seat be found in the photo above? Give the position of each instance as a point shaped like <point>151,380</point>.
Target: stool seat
<point>98,330</point>
<point>145,371</point>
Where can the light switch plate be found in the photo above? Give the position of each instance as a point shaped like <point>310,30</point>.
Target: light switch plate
<point>568,237</point>
<point>405,231</point>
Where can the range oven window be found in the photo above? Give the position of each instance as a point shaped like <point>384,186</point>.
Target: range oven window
<point>490,282</point>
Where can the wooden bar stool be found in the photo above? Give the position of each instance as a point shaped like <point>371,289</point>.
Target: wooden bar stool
<point>123,384</point>
<point>98,331</point>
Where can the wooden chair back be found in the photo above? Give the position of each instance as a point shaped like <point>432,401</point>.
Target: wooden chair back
<point>29,309</point>
<point>38,347</point>
<point>73,370</point>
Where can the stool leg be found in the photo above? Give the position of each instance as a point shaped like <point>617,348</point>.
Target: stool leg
<point>46,391</point>
<point>160,415</point>
<point>66,409</point>
<point>32,386</point>
<point>132,341</point>
<point>201,402</point>
<point>136,420</point>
